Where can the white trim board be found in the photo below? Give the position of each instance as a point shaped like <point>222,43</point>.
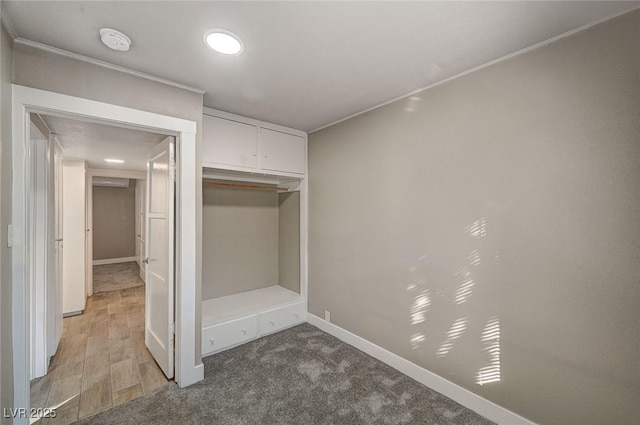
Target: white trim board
<point>478,404</point>
<point>114,261</point>
<point>124,174</point>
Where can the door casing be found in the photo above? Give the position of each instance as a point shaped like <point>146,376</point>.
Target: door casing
<point>188,363</point>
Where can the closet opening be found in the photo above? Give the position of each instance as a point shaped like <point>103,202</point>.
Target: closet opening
<point>251,259</point>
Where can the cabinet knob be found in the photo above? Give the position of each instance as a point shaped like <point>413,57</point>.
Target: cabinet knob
<point>211,341</point>
<point>265,156</point>
<point>273,323</point>
<point>253,154</point>
<point>297,316</point>
<point>244,331</point>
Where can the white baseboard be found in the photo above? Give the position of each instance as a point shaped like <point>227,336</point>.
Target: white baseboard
<point>470,400</point>
<point>114,260</point>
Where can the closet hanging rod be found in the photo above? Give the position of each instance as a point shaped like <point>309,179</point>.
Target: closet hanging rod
<point>240,186</point>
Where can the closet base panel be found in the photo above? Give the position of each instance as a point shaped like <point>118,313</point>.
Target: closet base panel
<point>236,319</point>
<point>281,318</point>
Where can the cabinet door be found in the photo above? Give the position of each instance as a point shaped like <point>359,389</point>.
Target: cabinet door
<point>282,152</point>
<point>229,142</point>
<point>281,318</point>
<point>229,334</point>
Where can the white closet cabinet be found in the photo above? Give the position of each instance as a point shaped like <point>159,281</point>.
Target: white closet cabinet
<point>232,142</point>
<point>282,152</point>
<point>229,334</point>
<point>227,142</point>
<point>254,276</point>
<point>235,319</point>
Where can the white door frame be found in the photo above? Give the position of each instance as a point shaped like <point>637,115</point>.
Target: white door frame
<point>98,172</point>
<point>188,363</point>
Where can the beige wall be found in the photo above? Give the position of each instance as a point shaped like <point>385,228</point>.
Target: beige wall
<point>251,240</point>
<point>36,68</point>
<point>289,240</point>
<point>511,196</point>
<point>114,222</point>
<point>240,241</point>
<point>6,360</point>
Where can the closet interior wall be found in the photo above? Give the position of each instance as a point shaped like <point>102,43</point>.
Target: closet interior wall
<point>251,239</point>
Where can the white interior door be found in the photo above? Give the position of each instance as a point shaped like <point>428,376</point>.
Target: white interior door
<point>141,224</point>
<point>58,246</point>
<point>38,252</point>
<point>138,253</point>
<point>88,235</point>
<point>159,305</point>
<point>74,261</point>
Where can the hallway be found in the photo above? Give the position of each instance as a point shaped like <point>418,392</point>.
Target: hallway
<point>101,361</point>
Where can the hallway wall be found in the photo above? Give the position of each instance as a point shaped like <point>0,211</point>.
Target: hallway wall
<point>114,222</point>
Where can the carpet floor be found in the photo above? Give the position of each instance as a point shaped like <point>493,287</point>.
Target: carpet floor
<point>300,376</point>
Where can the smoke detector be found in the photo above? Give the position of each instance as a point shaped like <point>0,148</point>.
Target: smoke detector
<point>115,40</point>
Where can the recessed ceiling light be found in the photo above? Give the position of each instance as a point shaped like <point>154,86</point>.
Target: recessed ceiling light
<point>115,40</point>
<point>223,41</point>
<point>115,161</point>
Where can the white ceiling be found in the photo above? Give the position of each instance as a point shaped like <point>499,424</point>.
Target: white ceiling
<point>94,142</point>
<point>307,64</point>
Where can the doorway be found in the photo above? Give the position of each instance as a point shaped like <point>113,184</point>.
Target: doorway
<point>102,358</point>
<point>26,100</point>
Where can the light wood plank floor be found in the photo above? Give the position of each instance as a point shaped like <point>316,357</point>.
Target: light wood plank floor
<point>113,277</point>
<point>101,360</point>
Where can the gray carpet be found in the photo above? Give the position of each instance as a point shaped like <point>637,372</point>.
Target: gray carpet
<point>301,376</point>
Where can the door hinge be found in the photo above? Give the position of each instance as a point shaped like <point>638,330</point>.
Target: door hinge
<point>9,235</point>
<point>172,169</point>
<point>172,333</point>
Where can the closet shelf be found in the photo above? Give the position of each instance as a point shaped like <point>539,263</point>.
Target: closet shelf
<point>222,174</point>
<point>217,310</point>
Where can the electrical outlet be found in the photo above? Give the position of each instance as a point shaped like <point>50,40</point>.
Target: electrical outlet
<point>327,316</point>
